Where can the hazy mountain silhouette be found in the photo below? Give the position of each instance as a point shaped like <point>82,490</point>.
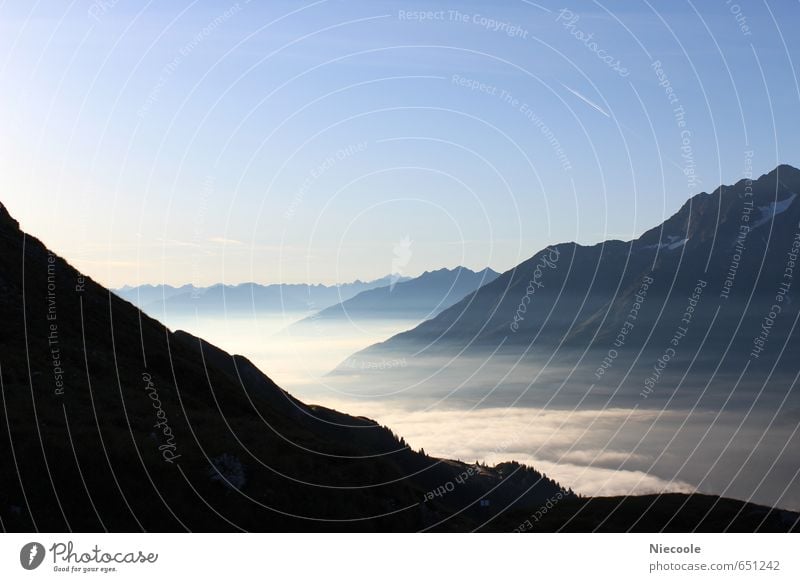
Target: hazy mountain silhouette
<point>143,296</point>
<point>156,300</point>
<point>734,243</point>
<point>416,299</point>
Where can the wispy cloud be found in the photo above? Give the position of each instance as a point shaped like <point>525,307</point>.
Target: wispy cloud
<point>225,241</point>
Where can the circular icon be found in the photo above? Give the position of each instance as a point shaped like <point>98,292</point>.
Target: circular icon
<point>31,555</point>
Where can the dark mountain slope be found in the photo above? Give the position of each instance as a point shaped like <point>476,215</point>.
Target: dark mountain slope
<point>113,422</point>
<point>671,512</point>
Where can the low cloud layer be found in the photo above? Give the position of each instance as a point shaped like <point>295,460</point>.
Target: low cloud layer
<point>607,452</point>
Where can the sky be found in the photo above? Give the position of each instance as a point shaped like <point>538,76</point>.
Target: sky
<point>322,142</point>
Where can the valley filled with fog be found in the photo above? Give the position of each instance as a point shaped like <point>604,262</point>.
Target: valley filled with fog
<point>715,433</point>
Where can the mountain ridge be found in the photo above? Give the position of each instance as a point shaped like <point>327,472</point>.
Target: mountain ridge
<point>142,429</point>
<point>221,298</point>
<point>414,298</point>
<point>591,279</point>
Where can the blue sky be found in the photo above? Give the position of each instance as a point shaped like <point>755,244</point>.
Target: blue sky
<point>303,141</point>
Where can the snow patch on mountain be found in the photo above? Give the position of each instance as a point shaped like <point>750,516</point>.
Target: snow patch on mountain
<point>774,209</point>
<point>675,245</point>
<point>672,242</point>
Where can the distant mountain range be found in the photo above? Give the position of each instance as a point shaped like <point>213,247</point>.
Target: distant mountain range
<point>718,274</point>
<point>414,299</point>
<point>245,297</point>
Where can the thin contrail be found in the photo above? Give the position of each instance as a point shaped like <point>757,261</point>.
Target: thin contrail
<point>585,100</point>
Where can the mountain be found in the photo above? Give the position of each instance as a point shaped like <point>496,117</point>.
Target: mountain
<point>692,326</point>
<point>413,299</point>
<point>668,513</point>
<point>145,295</point>
<point>717,266</point>
<point>114,422</point>
<point>219,299</point>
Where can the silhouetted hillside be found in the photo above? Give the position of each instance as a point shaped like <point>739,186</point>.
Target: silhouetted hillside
<point>671,512</point>
<point>114,422</point>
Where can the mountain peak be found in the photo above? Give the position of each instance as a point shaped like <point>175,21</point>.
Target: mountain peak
<point>6,220</point>
<point>709,215</point>
<point>786,169</point>
<point>458,270</point>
